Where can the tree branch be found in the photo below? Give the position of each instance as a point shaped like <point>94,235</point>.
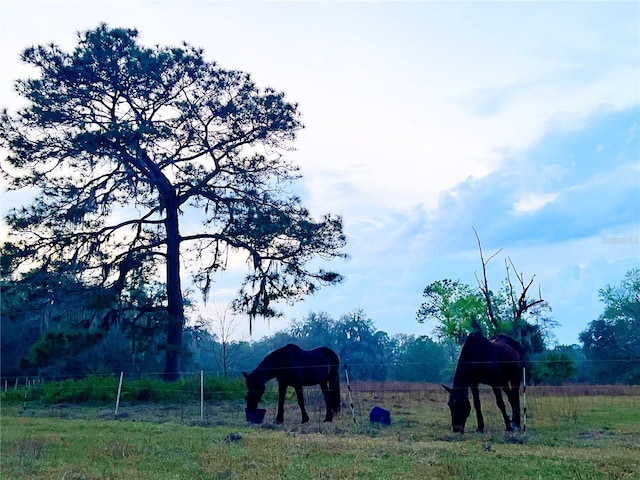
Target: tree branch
<point>484,285</point>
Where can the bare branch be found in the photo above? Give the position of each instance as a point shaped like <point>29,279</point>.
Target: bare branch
<point>521,305</point>
<point>484,285</point>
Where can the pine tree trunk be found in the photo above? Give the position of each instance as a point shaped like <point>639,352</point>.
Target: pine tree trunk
<point>175,307</point>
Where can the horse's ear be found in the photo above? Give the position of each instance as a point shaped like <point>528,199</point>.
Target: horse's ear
<point>446,388</point>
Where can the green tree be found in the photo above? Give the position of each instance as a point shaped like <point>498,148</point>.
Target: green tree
<point>54,325</point>
<point>420,359</point>
<point>623,301</point>
<point>21,322</point>
<point>46,320</point>
<point>455,307</point>
<point>611,343</point>
<point>459,309</point>
<point>555,366</point>
<point>122,142</point>
<point>363,348</point>
<point>315,330</point>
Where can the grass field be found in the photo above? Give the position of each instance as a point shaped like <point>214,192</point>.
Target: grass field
<point>572,433</point>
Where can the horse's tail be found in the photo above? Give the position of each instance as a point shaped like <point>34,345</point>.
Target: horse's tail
<point>334,388</point>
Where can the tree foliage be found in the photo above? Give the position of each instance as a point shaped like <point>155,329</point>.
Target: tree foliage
<point>146,157</point>
<point>421,359</point>
<point>354,338</point>
<point>611,343</point>
<point>555,367</point>
<point>54,325</point>
<point>459,309</point>
<point>454,306</point>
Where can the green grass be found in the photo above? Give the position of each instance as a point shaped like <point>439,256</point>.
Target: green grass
<point>568,437</point>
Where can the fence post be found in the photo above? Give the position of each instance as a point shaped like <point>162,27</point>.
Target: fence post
<point>118,397</point>
<point>353,410</point>
<point>201,395</point>
<point>524,401</point>
<point>26,390</point>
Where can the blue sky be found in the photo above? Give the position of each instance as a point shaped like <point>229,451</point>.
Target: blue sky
<point>425,120</point>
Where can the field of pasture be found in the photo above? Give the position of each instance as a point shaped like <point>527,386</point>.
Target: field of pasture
<point>573,432</point>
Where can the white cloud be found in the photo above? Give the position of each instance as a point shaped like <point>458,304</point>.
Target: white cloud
<point>534,201</point>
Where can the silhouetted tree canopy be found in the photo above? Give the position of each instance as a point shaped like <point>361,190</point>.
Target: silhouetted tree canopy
<point>153,160</point>
<point>612,341</point>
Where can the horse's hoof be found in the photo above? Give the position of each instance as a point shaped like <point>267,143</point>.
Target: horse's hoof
<point>279,420</point>
<point>479,430</point>
<point>305,420</point>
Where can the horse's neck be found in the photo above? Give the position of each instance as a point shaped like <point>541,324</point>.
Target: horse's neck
<point>461,377</point>
<point>265,370</point>
<point>465,370</point>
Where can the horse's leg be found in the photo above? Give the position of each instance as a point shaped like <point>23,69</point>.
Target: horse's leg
<point>282,391</point>
<point>327,401</point>
<point>300,395</point>
<point>476,405</point>
<point>513,395</point>
<point>500,402</point>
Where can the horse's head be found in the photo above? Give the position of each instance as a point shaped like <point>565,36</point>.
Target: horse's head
<point>255,389</point>
<point>459,406</point>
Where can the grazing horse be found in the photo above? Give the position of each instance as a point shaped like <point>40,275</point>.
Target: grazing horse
<point>295,367</point>
<point>497,362</point>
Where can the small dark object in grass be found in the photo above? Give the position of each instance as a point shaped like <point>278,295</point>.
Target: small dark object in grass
<point>380,415</point>
<point>255,416</point>
<point>233,438</point>
<point>514,438</point>
<point>451,437</point>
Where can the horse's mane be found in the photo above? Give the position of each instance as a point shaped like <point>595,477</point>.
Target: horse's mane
<point>271,362</point>
<point>467,357</point>
<point>471,340</point>
<point>513,344</point>
<point>279,359</point>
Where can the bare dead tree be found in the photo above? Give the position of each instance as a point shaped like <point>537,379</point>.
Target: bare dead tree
<point>225,325</point>
<point>520,304</point>
<point>484,284</point>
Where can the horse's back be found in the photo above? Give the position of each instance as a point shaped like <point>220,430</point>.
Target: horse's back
<point>328,354</point>
<point>289,355</point>
<point>490,361</point>
<point>296,366</point>
<point>510,356</point>
<point>508,350</point>
<point>294,355</point>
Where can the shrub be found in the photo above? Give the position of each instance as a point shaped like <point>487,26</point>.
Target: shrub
<point>100,390</point>
<point>91,389</point>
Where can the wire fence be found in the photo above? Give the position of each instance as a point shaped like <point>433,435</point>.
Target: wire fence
<point>205,398</point>
<point>20,381</point>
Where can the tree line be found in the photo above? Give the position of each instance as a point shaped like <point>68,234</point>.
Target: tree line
<point>57,329</point>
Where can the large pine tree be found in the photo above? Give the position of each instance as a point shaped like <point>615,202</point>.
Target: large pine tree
<point>127,148</point>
